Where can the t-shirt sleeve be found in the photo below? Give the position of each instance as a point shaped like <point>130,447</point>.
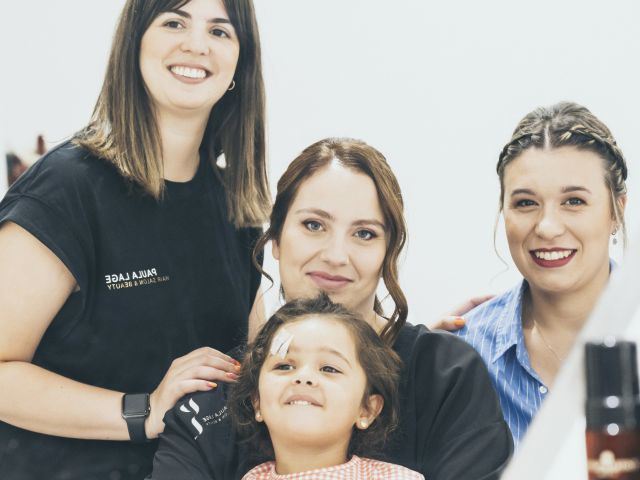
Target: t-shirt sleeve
<point>198,441</point>
<point>464,435</point>
<point>50,202</point>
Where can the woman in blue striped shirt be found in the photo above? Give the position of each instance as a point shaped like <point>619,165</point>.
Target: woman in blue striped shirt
<point>563,194</point>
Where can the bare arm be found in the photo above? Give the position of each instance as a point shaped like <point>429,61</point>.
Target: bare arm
<point>257,316</point>
<point>34,286</point>
<point>454,320</point>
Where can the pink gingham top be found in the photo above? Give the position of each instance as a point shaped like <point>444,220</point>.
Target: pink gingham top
<point>355,469</point>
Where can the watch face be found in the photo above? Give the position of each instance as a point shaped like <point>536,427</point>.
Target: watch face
<point>135,405</point>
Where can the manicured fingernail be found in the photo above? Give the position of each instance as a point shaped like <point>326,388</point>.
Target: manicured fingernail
<point>459,322</point>
<point>231,375</point>
<point>236,362</point>
<point>237,368</point>
<point>212,385</point>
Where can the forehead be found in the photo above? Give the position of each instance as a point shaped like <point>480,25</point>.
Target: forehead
<point>314,332</point>
<point>555,168</point>
<point>339,189</point>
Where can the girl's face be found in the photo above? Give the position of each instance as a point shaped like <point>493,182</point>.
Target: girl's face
<point>315,394</point>
<point>333,239</point>
<point>188,57</point>
<point>558,218</point>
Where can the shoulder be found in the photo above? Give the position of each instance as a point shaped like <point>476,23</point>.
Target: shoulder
<point>377,469</point>
<point>62,172</point>
<point>417,344</point>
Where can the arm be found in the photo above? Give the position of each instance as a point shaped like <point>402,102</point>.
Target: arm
<point>257,316</point>
<point>38,400</point>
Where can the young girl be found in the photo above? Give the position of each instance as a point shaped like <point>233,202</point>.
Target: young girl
<point>318,389</point>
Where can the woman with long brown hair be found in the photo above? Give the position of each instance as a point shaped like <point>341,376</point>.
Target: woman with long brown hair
<point>337,226</point>
<point>128,248</point>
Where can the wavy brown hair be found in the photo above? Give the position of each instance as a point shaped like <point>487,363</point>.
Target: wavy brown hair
<point>123,128</point>
<point>362,158</point>
<point>570,124</point>
<point>379,361</point>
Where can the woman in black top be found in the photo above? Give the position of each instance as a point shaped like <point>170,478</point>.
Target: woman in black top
<point>128,247</point>
<point>337,225</point>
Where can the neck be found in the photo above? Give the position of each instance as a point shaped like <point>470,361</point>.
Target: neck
<point>295,458</point>
<point>552,321</point>
<point>181,138</point>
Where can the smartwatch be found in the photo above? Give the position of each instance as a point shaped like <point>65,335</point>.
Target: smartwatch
<point>135,410</point>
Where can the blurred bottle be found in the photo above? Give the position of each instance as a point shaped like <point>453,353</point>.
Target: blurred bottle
<point>612,411</point>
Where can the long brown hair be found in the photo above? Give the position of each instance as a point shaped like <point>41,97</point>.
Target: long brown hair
<point>570,124</point>
<point>379,361</point>
<point>123,128</point>
<point>358,156</point>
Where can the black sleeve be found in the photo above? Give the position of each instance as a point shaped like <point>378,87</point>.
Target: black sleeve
<point>51,201</point>
<point>462,433</point>
<point>198,441</point>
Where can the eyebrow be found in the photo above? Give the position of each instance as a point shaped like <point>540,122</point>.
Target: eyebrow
<point>567,189</point>
<point>185,14</point>
<point>324,214</point>
<point>326,350</point>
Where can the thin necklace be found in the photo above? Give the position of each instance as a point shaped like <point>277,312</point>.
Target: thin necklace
<point>546,344</point>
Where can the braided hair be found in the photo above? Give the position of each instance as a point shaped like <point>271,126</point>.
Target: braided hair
<point>569,124</point>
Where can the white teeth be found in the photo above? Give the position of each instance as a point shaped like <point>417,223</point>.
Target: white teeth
<point>189,72</point>
<point>555,255</point>
<point>299,402</point>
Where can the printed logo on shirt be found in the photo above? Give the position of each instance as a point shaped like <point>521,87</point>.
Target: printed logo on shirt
<point>195,409</point>
<point>136,278</point>
<point>200,423</point>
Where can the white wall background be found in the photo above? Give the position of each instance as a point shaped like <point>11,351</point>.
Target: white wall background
<point>436,86</point>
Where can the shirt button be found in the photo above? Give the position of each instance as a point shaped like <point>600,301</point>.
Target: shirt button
<point>542,389</point>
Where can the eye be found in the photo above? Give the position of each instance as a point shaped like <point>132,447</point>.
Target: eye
<point>312,225</point>
<point>174,24</point>
<point>575,202</point>
<point>525,202</point>
<point>365,234</point>
<point>329,369</point>
<point>283,366</point>
<point>218,32</point>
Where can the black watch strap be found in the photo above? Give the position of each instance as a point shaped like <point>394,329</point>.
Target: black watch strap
<point>135,410</point>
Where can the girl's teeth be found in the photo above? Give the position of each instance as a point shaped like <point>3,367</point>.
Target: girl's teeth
<point>189,72</point>
<point>299,402</point>
<point>556,255</point>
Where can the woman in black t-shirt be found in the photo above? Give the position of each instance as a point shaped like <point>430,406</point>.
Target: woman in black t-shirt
<point>128,247</point>
<point>338,226</point>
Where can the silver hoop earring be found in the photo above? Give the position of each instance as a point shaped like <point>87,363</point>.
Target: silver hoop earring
<point>232,86</point>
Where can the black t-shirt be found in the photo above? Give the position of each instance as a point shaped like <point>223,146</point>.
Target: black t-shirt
<point>157,279</point>
<point>451,426</point>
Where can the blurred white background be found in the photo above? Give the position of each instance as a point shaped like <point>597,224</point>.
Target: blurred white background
<point>437,86</point>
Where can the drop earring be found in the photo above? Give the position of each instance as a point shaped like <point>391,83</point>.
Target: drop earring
<point>615,236</point>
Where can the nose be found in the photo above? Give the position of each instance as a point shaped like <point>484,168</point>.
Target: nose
<point>195,41</point>
<point>550,224</point>
<point>334,251</point>
<point>305,376</point>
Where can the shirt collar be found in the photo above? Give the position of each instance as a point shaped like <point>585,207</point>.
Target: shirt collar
<point>509,322</point>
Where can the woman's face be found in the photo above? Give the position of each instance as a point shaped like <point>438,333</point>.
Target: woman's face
<point>558,218</point>
<point>333,239</point>
<point>188,57</point>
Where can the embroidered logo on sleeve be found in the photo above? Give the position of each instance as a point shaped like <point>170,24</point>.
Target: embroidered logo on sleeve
<point>136,278</point>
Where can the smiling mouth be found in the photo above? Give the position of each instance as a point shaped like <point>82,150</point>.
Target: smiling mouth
<point>302,402</point>
<point>329,282</point>
<point>189,72</point>
<point>552,258</point>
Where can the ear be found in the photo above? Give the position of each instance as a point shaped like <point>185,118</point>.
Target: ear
<point>369,411</point>
<point>275,249</point>
<point>256,408</point>
<point>622,204</point>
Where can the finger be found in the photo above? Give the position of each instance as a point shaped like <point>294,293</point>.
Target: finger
<point>450,323</point>
<point>206,352</point>
<point>205,360</point>
<point>481,299</point>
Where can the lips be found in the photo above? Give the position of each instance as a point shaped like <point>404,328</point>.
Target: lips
<point>326,281</point>
<point>302,400</point>
<point>552,257</point>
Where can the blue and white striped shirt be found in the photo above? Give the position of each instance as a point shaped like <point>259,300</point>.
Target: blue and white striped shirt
<point>494,329</point>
